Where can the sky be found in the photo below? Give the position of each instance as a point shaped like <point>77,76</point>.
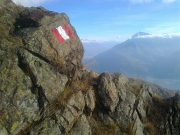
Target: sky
<point>116,19</point>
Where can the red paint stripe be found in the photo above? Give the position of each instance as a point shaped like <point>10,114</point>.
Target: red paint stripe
<point>68,31</point>
<point>57,35</point>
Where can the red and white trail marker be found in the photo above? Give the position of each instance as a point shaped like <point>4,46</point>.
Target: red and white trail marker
<point>62,33</point>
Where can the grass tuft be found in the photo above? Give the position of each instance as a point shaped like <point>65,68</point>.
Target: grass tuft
<point>150,128</point>
<point>99,128</point>
<point>136,88</point>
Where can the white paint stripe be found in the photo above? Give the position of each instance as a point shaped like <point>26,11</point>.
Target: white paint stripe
<point>62,32</point>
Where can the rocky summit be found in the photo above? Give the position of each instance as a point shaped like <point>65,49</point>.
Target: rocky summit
<point>45,90</point>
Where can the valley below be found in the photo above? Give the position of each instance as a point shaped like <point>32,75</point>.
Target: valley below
<point>145,56</point>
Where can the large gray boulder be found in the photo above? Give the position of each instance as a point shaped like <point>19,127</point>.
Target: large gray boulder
<point>107,92</point>
<point>35,70</point>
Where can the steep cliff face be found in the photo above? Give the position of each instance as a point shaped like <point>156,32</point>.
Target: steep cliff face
<point>44,89</point>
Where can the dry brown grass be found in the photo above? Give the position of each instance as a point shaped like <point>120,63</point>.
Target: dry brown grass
<point>98,128</point>
<point>57,104</point>
<point>129,129</point>
<point>136,88</point>
<point>157,109</point>
<point>4,33</point>
<point>150,128</point>
<point>65,95</point>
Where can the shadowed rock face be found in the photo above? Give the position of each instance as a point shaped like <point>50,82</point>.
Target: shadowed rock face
<point>44,89</point>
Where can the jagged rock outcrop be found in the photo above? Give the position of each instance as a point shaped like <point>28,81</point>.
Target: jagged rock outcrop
<point>35,70</point>
<point>107,92</point>
<point>44,88</point>
<point>138,110</point>
<point>169,117</point>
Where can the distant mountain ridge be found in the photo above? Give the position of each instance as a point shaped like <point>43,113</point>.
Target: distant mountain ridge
<point>154,59</point>
<point>94,47</point>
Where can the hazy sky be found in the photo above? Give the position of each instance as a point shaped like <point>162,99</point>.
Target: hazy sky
<point>108,19</point>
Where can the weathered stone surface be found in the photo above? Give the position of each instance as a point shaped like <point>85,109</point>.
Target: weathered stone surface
<point>3,130</point>
<point>144,101</point>
<point>90,100</point>
<point>169,122</point>
<point>47,127</point>
<point>107,91</point>
<point>81,127</point>
<point>39,39</point>
<point>18,104</point>
<point>42,74</point>
<point>137,126</point>
<point>34,66</point>
<point>121,83</point>
<point>73,109</point>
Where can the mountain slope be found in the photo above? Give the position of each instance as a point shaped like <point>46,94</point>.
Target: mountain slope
<point>93,47</point>
<point>155,58</point>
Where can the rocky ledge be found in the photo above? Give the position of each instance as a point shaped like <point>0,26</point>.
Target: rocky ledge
<point>44,89</point>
